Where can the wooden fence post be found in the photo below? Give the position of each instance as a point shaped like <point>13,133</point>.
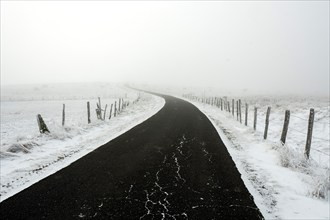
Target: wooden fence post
<point>309,133</point>
<point>98,111</point>
<point>233,107</point>
<point>285,126</point>
<point>105,110</point>
<point>115,110</point>
<point>246,113</point>
<point>42,125</point>
<point>237,110</point>
<point>255,118</point>
<point>267,123</point>
<point>110,111</point>
<point>240,111</point>
<point>88,113</point>
<point>63,115</point>
<point>119,105</point>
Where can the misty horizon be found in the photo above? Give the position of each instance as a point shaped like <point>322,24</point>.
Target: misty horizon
<point>254,46</point>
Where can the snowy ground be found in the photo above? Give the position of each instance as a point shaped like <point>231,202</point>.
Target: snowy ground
<point>283,184</point>
<point>26,156</point>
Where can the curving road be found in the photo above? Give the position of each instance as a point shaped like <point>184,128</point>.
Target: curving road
<point>172,166</point>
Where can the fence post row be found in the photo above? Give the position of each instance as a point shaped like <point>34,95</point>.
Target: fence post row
<point>309,133</point>
<point>225,105</point>
<point>285,126</point>
<point>267,123</point>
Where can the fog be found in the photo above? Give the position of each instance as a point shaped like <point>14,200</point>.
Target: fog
<point>262,45</point>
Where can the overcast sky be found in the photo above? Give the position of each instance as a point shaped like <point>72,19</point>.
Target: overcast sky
<point>266,45</point>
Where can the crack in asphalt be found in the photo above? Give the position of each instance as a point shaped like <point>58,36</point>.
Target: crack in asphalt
<point>207,154</point>
<point>159,189</point>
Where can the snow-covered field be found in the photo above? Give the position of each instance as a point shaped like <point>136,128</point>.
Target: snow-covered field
<point>26,156</point>
<point>284,184</point>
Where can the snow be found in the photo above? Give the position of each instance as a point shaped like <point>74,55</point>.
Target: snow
<point>283,183</point>
<point>26,156</point>
<point>298,190</point>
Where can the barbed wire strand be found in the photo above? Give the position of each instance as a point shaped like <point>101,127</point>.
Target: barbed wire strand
<point>318,138</point>
<point>324,123</point>
<point>315,137</point>
<point>304,119</point>
<point>320,151</point>
<point>298,131</point>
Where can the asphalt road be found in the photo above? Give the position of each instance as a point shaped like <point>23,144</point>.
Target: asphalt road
<point>172,166</point>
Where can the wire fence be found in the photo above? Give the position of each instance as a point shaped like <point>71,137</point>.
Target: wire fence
<point>239,111</point>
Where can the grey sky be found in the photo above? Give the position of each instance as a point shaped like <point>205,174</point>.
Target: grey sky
<point>268,45</point>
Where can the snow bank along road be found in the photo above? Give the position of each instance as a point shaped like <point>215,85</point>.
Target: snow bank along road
<point>172,166</point>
